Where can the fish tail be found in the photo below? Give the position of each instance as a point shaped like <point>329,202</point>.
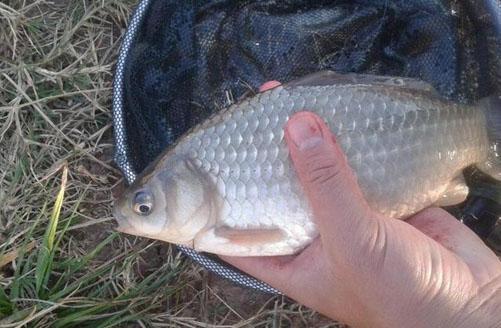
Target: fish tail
<point>492,110</point>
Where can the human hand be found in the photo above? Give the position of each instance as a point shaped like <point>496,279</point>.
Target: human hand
<point>366,270</point>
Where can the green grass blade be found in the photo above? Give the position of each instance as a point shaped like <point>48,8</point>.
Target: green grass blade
<point>54,219</point>
<point>81,315</point>
<point>6,306</point>
<point>74,265</point>
<point>46,253</point>
<point>80,283</point>
<point>24,259</point>
<point>16,317</point>
<point>118,319</point>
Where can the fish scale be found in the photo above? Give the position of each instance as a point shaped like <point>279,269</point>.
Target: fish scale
<point>360,147</point>
<point>404,143</point>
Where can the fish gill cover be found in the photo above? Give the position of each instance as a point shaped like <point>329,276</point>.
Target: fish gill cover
<point>183,60</point>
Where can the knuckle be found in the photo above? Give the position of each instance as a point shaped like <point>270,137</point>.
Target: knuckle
<point>323,169</point>
<point>377,243</point>
<point>369,255</point>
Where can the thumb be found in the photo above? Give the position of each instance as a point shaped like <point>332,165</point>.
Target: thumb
<point>340,210</point>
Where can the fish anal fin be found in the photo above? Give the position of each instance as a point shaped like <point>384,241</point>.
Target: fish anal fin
<point>491,168</point>
<point>491,106</point>
<point>456,193</point>
<point>323,78</point>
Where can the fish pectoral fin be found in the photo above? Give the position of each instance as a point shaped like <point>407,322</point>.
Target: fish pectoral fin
<point>227,240</point>
<point>332,78</point>
<point>456,193</point>
<point>250,236</point>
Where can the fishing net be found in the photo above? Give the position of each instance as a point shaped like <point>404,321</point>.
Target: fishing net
<point>183,60</point>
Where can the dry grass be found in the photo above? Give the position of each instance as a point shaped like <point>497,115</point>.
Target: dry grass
<point>61,263</point>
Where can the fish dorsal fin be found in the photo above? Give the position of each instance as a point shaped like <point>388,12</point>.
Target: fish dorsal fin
<point>456,192</point>
<point>323,78</point>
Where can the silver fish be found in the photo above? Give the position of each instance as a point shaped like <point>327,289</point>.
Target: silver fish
<point>228,186</point>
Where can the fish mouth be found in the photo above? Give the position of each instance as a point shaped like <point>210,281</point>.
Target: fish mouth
<point>124,228</point>
<point>123,225</point>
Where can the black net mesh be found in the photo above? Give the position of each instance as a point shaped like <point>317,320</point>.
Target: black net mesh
<point>183,60</point>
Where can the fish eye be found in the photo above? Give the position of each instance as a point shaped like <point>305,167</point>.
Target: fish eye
<point>143,203</point>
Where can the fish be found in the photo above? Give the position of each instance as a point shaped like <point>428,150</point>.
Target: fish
<point>228,186</point>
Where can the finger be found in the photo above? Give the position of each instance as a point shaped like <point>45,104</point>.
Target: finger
<point>340,210</point>
<point>303,278</point>
<point>307,278</point>
<point>269,85</point>
<point>442,227</point>
<point>265,268</point>
<point>284,273</point>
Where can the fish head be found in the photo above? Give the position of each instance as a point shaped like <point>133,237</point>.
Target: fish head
<point>172,202</point>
